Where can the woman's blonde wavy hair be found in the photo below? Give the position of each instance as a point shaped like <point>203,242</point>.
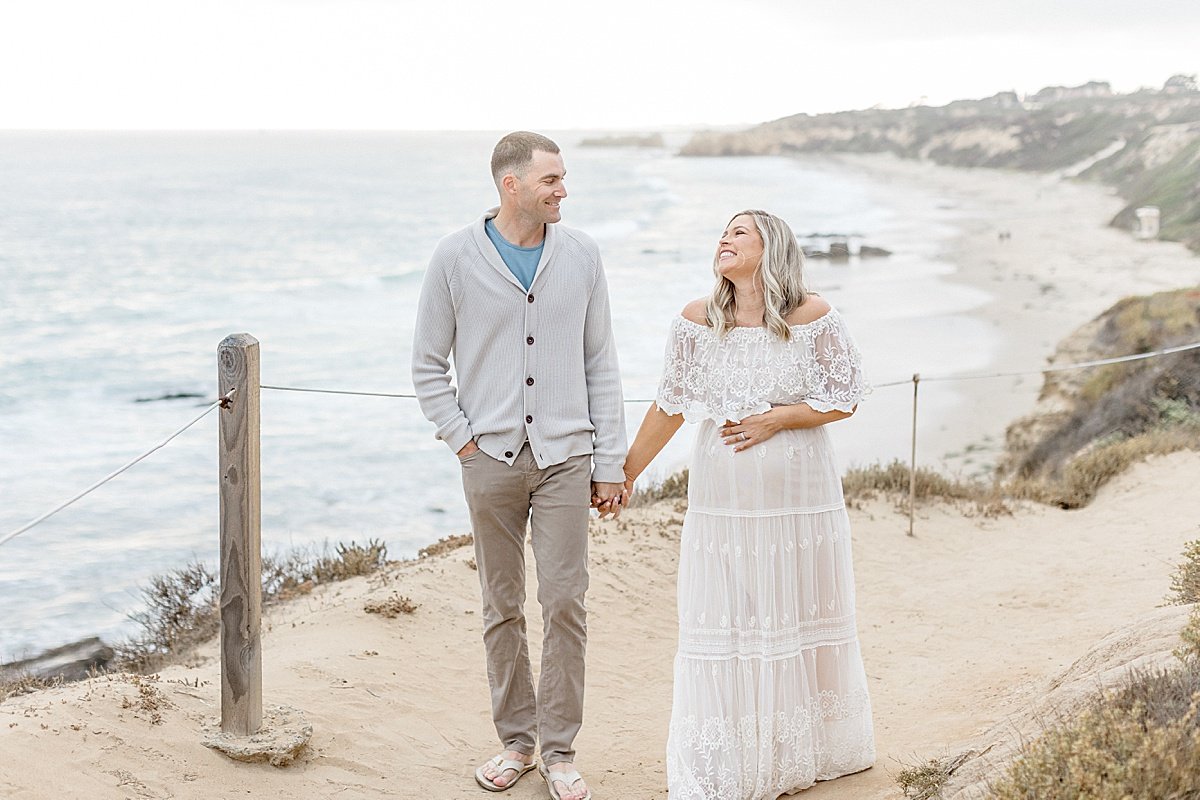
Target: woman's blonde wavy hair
<point>780,275</point>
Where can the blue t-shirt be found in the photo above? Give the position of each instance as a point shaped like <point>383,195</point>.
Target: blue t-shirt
<point>522,261</point>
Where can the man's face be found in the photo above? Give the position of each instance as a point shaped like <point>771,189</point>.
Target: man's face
<point>539,193</point>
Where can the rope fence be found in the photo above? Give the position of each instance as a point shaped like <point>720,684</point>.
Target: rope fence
<point>915,380</point>
<point>239,487</point>
<point>223,402</point>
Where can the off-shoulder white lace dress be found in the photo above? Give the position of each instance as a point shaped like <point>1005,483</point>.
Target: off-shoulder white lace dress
<point>770,692</point>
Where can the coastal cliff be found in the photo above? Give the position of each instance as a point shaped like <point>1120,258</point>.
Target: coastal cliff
<point>1146,144</point>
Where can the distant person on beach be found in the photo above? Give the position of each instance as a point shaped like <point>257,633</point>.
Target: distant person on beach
<point>770,692</point>
<point>538,425</point>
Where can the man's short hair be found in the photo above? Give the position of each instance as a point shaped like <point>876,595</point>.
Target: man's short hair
<point>514,153</point>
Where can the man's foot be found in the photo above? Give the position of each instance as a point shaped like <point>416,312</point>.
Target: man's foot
<point>504,778</point>
<point>576,789</point>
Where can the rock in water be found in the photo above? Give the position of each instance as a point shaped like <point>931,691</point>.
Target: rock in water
<point>71,662</point>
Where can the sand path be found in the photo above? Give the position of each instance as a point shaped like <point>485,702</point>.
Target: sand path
<point>964,621</point>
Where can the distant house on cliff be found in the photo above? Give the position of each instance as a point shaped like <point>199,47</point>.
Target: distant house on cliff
<point>1181,84</point>
<point>1147,222</point>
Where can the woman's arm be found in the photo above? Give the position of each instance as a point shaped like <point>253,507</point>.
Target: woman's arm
<point>656,430</point>
<point>760,427</point>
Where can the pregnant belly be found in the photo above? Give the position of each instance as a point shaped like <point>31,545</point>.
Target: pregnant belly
<point>793,471</point>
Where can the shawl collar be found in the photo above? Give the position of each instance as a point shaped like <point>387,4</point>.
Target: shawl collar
<point>493,258</point>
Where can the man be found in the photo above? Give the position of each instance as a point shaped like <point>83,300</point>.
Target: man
<point>538,425</point>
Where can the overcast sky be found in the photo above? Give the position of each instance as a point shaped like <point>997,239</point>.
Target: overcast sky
<point>485,64</point>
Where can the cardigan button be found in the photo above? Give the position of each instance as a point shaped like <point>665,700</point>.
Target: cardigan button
<point>508,453</point>
<point>529,381</point>
<point>528,418</point>
<point>528,340</point>
<point>529,297</point>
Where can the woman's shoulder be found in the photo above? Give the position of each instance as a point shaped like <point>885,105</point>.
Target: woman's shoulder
<point>695,311</point>
<point>812,309</point>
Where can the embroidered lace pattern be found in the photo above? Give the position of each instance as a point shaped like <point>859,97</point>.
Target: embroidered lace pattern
<point>770,691</point>
<point>749,369</point>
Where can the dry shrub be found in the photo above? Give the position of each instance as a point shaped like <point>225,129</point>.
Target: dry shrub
<point>298,571</point>
<point>349,561</point>
<point>392,607</point>
<point>25,683</point>
<point>1185,580</point>
<point>1189,650</point>
<point>1140,741</point>
<point>446,545</point>
<point>924,781</point>
<point>672,487</point>
<point>1119,402</point>
<point>180,614</point>
<point>150,700</point>
<point>1082,478</point>
<point>181,610</point>
<point>866,483</point>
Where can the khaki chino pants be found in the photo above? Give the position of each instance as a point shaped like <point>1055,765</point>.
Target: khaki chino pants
<point>554,502</point>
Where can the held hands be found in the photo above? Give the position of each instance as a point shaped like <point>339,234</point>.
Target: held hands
<point>608,499</point>
<point>752,430</point>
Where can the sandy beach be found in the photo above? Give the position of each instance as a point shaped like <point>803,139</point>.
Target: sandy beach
<point>1061,267</point>
<point>961,625</point>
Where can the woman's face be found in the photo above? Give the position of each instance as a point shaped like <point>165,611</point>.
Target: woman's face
<point>740,249</point>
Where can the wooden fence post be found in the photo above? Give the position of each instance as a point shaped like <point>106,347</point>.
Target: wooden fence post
<point>912,464</point>
<point>241,555</point>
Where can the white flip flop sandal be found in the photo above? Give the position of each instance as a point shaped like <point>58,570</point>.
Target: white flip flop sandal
<point>504,765</point>
<point>567,779</point>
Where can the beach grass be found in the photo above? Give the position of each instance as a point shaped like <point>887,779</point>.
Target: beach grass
<point>181,611</point>
<point>866,483</point>
<point>672,487</point>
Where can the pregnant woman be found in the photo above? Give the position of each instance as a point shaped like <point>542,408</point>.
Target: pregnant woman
<point>770,693</point>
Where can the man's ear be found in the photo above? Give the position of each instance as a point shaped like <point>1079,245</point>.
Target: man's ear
<point>508,184</point>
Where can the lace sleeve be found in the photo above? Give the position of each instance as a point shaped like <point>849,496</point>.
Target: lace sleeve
<point>705,378</point>
<point>673,395</point>
<point>834,373</point>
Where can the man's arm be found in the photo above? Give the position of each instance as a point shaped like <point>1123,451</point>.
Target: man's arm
<point>432,343</point>
<point>605,402</point>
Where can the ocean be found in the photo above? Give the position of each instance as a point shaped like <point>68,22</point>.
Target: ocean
<point>125,258</point>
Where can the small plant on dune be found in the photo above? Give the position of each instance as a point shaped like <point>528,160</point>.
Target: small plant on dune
<point>1185,581</point>
<point>924,781</point>
<point>445,545</point>
<point>24,683</point>
<point>149,700</point>
<point>391,607</point>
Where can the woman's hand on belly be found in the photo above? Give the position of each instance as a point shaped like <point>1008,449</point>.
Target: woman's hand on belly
<point>760,427</point>
<point>752,430</point>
